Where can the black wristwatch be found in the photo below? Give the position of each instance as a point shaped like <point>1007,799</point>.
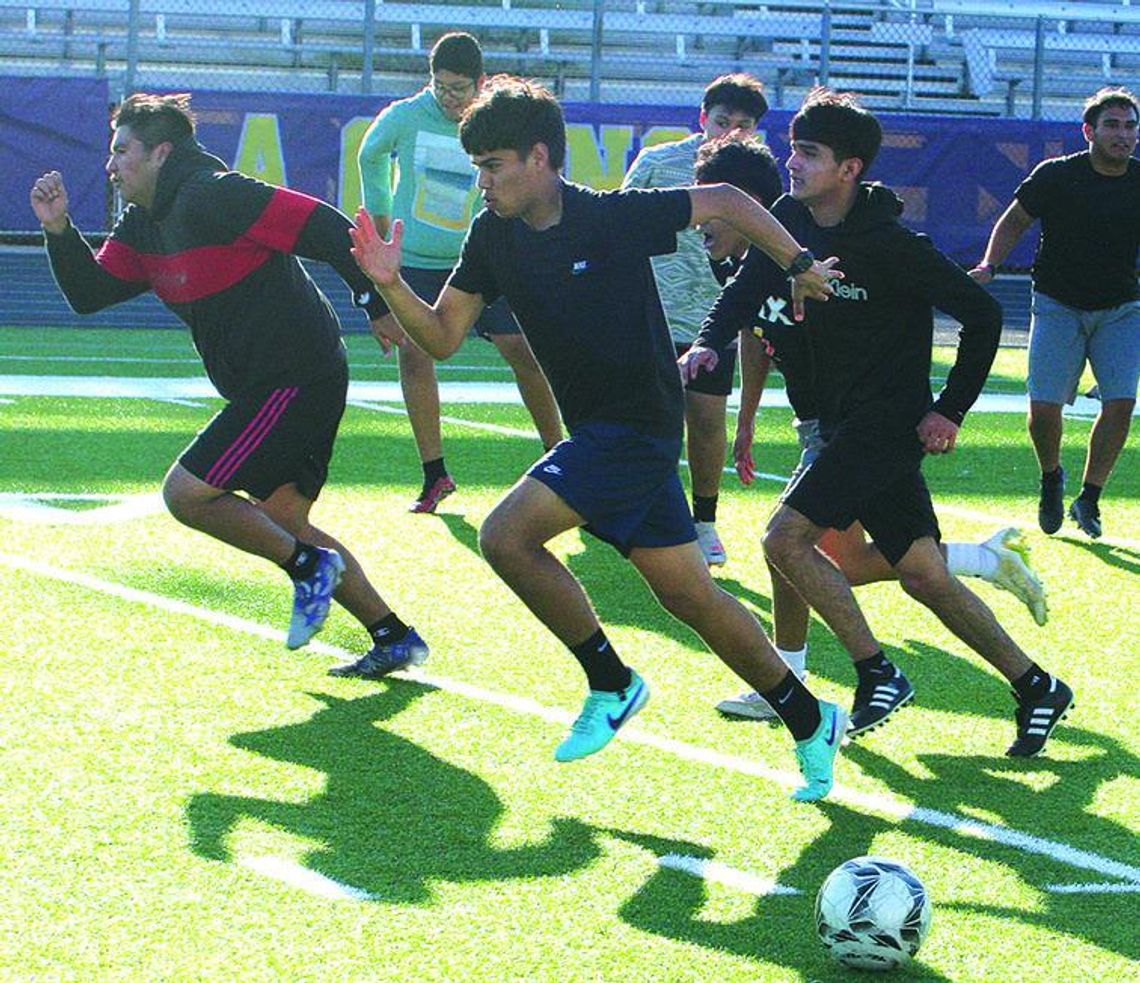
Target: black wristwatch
<point>804,261</point>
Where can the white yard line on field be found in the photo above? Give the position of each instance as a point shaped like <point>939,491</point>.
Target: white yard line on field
<point>1127,877</point>
<point>389,392</point>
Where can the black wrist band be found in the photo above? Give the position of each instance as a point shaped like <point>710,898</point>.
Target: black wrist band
<point>803,261</point>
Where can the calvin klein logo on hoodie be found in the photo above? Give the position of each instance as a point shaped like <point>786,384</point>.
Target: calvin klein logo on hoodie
<point>848,291</point>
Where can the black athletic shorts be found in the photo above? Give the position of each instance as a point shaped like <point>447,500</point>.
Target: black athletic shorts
<point>719,381</point>
<point>875,479</point>
<point>258,443</point>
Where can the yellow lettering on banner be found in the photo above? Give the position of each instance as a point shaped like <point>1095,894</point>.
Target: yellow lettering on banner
<point>663,134</point>
<point>351,137</point>
<point>259,152</point>
<point>599,165</point>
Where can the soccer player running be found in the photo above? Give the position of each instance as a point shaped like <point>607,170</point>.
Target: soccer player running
<point>1086,302</point>
<point>220,251</point>
<point>435,198</point>
<point>870,350</point>
<point>731,104</point>
<point>574,265</point>
<point>770,335</point>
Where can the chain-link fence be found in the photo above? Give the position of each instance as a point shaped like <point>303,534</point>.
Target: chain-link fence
<point>969,57</point>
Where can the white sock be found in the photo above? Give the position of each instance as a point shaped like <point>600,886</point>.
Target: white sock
<point>971,560</point>
<point>795,658</point>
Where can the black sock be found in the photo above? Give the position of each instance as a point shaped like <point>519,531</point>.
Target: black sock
<point>704,508</point>
<point>798,709</point>
<point>603,668</point>
<point>433,471</point>
<point>1091,492</point>
<point>1033,684</point>
<point>387,630</point>
<point>1054,477</point>
<point>874,669</point>
<point>303,563</point>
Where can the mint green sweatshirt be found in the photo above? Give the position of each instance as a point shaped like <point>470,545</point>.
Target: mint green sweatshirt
<point>435,192</point>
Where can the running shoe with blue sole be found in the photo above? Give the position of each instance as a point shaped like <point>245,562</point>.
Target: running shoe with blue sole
<point>312,598</point>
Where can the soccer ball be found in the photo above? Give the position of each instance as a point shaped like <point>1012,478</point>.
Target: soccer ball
<point>872,913</point>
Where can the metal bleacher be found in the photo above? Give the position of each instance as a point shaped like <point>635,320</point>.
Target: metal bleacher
<point>950,56</point>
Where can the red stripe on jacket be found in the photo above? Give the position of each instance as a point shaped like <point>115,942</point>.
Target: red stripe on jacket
<point>192,274</point>
<point>279,225</point>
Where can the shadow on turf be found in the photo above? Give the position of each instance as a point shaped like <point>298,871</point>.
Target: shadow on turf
<point>670,903</point>
<point>392,817</point>
<point>1120,557</point>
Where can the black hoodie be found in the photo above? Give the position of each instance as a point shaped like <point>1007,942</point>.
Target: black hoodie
<point>219,249</point>
<point>867,348</point>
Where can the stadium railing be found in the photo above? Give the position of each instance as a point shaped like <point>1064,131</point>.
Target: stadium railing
<point>960,56</point>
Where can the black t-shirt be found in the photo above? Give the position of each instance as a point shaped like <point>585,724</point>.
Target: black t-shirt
<point>771,322</point>
<point>584,294</point>
<point>1090,231</point>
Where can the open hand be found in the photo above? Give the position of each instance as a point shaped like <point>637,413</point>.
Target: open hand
<point>814,284</point>
<point>377,257</point>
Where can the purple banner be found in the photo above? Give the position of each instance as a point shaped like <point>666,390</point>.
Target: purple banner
<point>956,174</point>
<point>51,124</point>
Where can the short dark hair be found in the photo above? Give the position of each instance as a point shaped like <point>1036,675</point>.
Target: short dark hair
<point>156,119</point>
<point>836,120</point>
<point>514,114</point>
<point>739,91</point>
<point>459,52</point>
<point>746,164</point>
<point>1110,95</point>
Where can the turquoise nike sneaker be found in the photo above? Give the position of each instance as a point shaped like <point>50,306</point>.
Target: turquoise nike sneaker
<point>603,715</point>
<point>816,755</point>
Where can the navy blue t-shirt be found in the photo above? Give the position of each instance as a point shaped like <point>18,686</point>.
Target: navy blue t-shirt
<point>584,294</point>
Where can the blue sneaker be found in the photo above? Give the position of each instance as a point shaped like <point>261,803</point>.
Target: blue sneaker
<point>312,598</point>
<point>603,715</point>
<point>377,662</point>
<point>816,755</point>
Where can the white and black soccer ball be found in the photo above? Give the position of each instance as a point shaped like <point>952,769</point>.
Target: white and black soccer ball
<point>872,913</point>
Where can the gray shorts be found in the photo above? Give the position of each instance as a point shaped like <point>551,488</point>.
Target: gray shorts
<point>1062,339</point>
<point>811,443</point>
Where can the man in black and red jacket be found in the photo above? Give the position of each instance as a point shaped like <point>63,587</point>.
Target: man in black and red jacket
<point>220,250</point>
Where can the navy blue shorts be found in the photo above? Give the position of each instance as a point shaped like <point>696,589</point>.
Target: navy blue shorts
<point>495,319</point>
<point>873,479</point>
<point>259,442</point>
<point>623,482</point>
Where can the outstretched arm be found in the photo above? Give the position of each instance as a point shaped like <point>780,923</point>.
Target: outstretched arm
<point>752,220</point>
<point>754,364</point>
<point>1007,231</point>
<point>439,328</point>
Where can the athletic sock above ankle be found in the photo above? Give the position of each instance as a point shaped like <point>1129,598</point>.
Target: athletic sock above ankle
<point>797,708</point>
<point>795,658</point>
<point>704,508</point>
<point>1033,684</point>
<point>874,669</point>
<point>434,470</point>
<point>971,560</point>
<point>1052,477</point>
<point>604,670</point>
<point>303,563</point>
<point>387,630</point>
<point>1091,492</point>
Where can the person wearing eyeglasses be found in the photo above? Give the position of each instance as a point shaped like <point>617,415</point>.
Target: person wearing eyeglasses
<point>435,196</point>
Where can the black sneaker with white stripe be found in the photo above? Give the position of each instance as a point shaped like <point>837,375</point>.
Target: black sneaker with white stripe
<point>1036,719</point>
<point>877,700</point>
